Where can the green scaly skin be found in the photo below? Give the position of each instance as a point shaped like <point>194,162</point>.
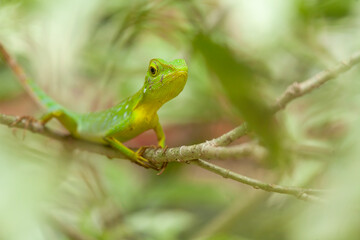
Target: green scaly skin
<point>131,117</point>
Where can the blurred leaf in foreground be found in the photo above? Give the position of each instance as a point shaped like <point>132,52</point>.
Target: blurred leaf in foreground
<point>239,82</point>
<point>331,10</point>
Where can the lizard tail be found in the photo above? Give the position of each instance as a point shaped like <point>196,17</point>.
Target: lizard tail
<point>31,87</point>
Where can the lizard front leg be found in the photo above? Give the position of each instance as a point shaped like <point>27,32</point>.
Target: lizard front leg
<point>161,142</point>
<point>160,135</point>
<point>134,156</point>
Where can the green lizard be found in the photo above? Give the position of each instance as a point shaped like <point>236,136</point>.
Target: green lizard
<point>132,116</point>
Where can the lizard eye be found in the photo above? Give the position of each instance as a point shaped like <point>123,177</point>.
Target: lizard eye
<point>153,70</point>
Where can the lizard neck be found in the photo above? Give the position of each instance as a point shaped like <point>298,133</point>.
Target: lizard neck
<point>146,105</point>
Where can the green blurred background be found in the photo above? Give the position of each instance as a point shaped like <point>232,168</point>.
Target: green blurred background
<point>89,54</point>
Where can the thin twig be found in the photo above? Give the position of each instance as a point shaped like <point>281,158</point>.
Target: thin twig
<point>301,193</point>
<point>231,136</point>
<point>294,91</point>
<point>17,70</point>
<point>297,90</point>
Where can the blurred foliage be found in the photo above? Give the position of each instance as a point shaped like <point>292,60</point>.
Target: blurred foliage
<point>246,97</point>
<point>329,10</point>
<point>9,87</point>
<point>241,56</point>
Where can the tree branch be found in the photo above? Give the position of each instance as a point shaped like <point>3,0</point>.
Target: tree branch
<point>185,153</point>
<point>301,193</point>
<point>177,154</point>
<point>207,151</point>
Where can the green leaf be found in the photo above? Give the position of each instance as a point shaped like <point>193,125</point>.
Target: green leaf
<point>239,83</point>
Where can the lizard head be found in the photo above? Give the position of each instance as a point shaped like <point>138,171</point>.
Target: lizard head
<point>164,80</point>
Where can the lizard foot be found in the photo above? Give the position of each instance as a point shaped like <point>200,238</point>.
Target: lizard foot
<point>29,123</point>
<point>142,149</point>
<point>140,160</point>
<point>164,164</point>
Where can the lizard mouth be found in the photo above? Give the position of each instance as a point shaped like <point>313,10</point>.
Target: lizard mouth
<point>182,73</point>
<point>179,75</point>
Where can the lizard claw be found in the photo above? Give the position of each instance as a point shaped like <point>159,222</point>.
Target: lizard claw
<point>162,169</point>
<point>163,166</point>
<point>29,123</point>
<point>142,149</point>
<point>140,160</point>
<point>164,150</point>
